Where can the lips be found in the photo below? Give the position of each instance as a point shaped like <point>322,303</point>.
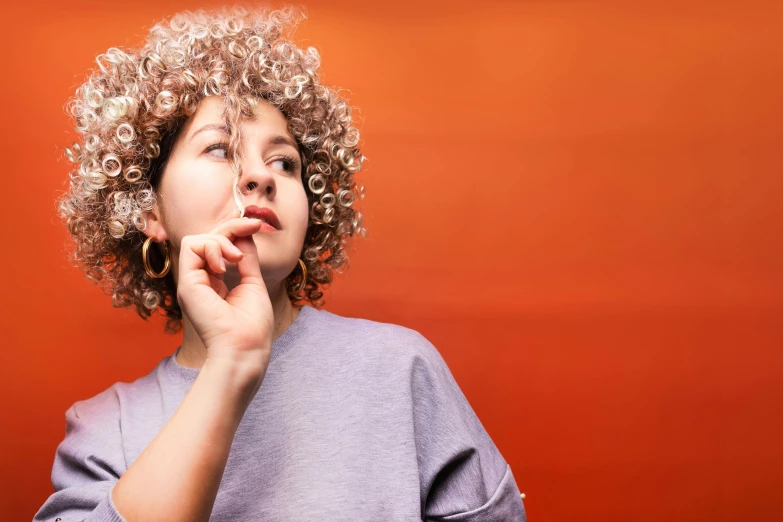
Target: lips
<point>263,213</point>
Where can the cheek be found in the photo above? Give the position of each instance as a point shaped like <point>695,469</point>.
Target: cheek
<point>196,198</point>
<point>302,207</point>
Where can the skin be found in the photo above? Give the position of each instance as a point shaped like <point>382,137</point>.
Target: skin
<point>230,285</point>
<point>195,197</point>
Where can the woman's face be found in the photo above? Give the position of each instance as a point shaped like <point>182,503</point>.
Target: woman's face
<point>196,188</point>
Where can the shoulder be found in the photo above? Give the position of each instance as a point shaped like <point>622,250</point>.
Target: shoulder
<point>373,338</point>
<point>92,429</point>
<point>98,412</point>
<point>103,409</point>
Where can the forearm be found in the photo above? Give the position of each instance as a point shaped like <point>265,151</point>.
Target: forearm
<point>176,478</point>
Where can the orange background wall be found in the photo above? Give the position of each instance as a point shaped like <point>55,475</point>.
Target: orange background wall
<point>578,203</point>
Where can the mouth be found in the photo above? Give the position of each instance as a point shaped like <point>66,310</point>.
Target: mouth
<point>266,215</point>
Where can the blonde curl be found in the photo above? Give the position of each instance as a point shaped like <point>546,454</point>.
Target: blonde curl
<point>128,112</point>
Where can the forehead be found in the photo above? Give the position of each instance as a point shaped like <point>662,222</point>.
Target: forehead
<point>210,110</point>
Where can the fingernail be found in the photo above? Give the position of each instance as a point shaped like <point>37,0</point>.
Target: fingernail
<point>237,251</point>
<point>222,264</point>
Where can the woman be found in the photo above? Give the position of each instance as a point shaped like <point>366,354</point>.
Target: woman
<point>215,182</point>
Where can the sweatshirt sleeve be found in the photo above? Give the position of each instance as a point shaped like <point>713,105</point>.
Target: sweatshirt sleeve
<point>87,464</point>
<point>463,476</point>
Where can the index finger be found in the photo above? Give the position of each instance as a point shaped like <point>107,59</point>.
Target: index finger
<point>237,227</point>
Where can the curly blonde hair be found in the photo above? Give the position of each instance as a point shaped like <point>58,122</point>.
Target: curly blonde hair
<point>129,112</point>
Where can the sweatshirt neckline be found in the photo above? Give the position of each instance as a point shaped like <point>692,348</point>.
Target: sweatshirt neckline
<point>280,346</point>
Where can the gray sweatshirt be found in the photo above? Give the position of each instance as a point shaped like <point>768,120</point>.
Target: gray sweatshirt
<point>355,420</point>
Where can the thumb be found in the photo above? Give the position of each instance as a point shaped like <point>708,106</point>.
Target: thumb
<point>251,282</point>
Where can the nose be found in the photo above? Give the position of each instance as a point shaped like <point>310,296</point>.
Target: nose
<point>256,177</point>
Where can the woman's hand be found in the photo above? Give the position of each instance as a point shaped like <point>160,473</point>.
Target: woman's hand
<point>236,327</point>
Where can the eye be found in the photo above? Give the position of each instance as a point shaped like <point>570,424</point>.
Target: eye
<point>286,163</point>
<point>222,149</point>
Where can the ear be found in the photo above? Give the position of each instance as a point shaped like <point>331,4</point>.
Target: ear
<point>155,227</point>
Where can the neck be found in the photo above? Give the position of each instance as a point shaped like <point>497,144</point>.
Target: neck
<point>193,353</point>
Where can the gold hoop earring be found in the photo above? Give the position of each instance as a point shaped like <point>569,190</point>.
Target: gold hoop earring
<point>304,278</point>
<point>147,267</point>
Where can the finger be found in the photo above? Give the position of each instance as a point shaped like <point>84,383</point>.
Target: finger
<point>249,267</point>
<point>237,227</point>
<point>194,253</point>
<point>228,249</point>
<point>214,256</point>
<point>250,295</point>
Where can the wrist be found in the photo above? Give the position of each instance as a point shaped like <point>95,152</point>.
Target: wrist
<point>242,379</point>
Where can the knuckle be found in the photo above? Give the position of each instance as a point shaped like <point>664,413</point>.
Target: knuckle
<point>193,241</point>
<point>222,240</point>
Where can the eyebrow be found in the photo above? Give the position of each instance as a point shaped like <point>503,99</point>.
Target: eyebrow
<point>211,126</point>
<point>277,139</point>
